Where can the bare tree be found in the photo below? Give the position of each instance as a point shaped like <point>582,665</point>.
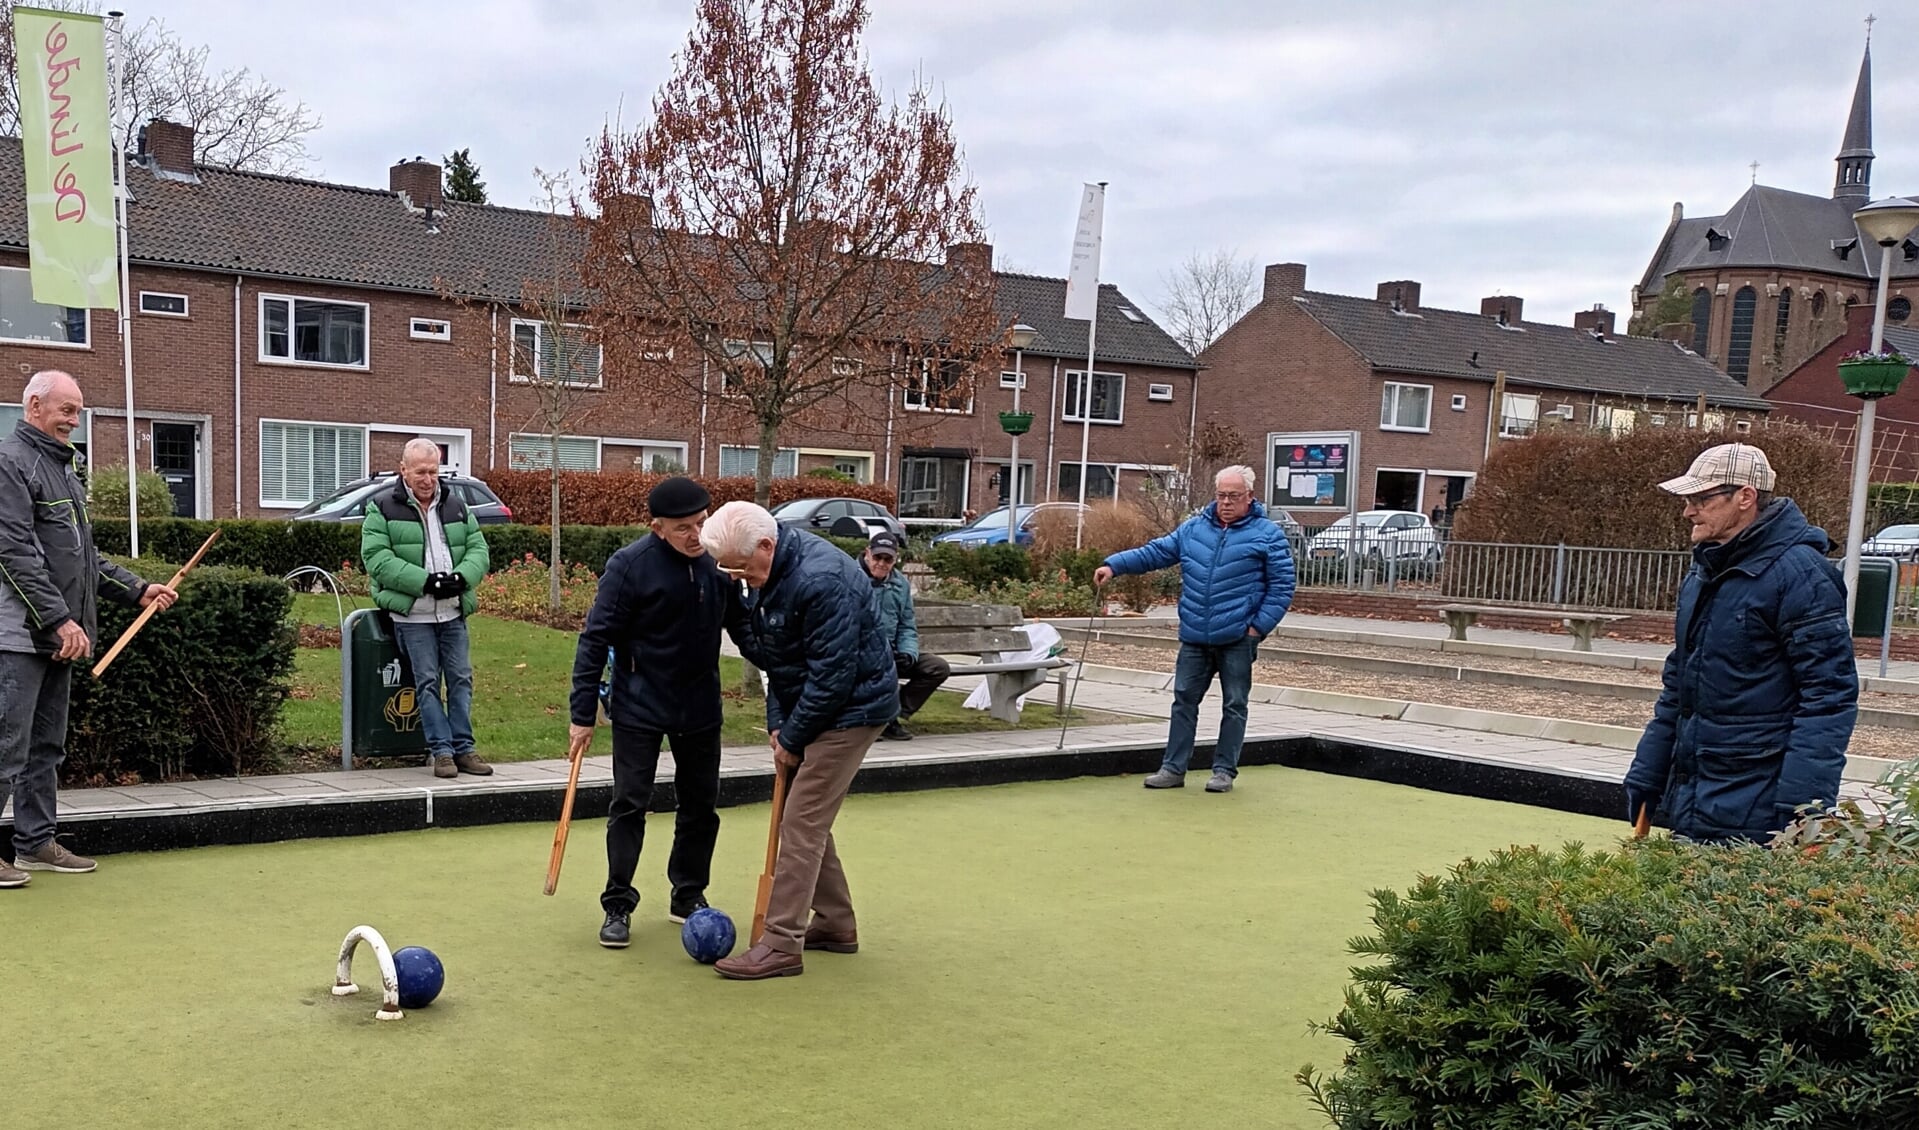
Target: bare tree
<point>1205,295</point>
<point>781,225</point>
<point>240,120</point>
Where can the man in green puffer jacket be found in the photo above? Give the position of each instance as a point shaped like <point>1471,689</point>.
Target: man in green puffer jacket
<point>426,557</point>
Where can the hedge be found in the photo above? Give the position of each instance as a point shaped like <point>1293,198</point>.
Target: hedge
<point>615,498</point>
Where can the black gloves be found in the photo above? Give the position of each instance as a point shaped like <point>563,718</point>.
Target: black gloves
<point>903,663</point>
<point>444,586</point>
<point>1637,798</point>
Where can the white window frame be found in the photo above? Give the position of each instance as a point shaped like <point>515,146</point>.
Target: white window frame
<point>642,444</point>
<point>1073,495</point>
<point>599,452</point>
<point>1159,392</point>
<point>1459,402</point>
<point>848,366</point>
<point>1612,419</point>
<point>754,452</point>
<point>443,333</point>
<point>539,331</point>
<point>48,342</point>
<point>1391,394</point>
<point>459,442</point>
<point>908,393</point>
<point>1419,506</point>
<point>186,304</point>
<point>1518,398</point>
<point>740,347</point>
<point>848,454</point>
<point>1067,397</point>
<point>1011,379</point>
<point>292,301</point>
<point>965,483</point>
<point>259,461</point>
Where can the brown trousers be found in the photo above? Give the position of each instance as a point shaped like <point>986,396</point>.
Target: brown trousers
<point>808,876</point>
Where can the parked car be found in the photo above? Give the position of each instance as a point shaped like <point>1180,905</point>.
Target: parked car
<point>1378,536</point>
<point>348,504</point>
<point>990,527</point>
<point>1901,542</point>
<point>821,515</point>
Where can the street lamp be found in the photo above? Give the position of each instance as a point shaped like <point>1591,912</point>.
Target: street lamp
<point>1885,222</point>
<point>1022,337</point>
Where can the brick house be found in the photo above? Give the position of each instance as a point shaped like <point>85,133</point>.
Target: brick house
<point>290,336</point>
<point>1383,403</point>
<point>1813,394</point>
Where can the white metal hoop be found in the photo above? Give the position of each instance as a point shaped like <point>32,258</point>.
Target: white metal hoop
<point>343,985</point>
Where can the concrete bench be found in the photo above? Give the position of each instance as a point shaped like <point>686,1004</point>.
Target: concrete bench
<point>987,633</point>
<point>1583,625</point>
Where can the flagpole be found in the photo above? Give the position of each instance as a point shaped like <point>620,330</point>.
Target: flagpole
<point>1086,416</point>
<point>117,21</point>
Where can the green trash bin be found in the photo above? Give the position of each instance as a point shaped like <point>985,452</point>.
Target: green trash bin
<point>379,714</point>
<point>1872,608</point>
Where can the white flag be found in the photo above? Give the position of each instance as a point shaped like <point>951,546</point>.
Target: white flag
<point>1082,281</point>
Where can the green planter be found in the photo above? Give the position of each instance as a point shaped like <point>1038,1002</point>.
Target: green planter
<point>1870,380</point>
<point>1016,423</point>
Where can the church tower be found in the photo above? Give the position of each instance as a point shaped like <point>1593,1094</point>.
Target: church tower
<point>1854,179</point>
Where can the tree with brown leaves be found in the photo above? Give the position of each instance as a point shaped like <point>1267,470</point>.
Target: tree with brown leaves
<point>774,240</point>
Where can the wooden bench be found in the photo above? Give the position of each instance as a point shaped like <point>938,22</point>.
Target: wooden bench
<point>1583,625</point>
<point>987,632</point>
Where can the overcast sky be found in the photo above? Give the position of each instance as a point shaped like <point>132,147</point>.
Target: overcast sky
<point>1479,146</point>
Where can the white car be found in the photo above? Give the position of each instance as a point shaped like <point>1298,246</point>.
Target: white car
<point>1901,542</point>
<point>1378,536</point>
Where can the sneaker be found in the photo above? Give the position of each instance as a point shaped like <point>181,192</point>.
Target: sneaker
<point>1221,783</point>
<point>53,857</point>
<point>443,767</point>
<point>11,876</point>
<point>683,909</point>
<point>895,732</point>
<point>617,931</point>
<point>1166,779</point>
<point>472,763</point>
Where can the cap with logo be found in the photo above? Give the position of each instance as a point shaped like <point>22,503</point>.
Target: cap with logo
<point>1727,465</point>
<point>884,544</point>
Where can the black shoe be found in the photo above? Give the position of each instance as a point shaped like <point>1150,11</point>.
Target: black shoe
<point>895,732</point>
<point>617,932</point>
<point>683,909</point>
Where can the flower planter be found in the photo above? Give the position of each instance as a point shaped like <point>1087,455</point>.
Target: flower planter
<point>1870,380</point>
<point>1016,423</point>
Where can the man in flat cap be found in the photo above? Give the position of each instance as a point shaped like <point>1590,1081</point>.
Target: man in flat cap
<point>659,612</point>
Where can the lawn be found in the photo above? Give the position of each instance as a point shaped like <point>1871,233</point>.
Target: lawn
<point>523,673</point>
<point>1065,954</point>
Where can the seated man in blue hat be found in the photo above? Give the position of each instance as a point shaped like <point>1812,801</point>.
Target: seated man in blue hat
<point>893,609</point>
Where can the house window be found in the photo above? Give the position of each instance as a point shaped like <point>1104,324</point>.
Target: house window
<point>429,329</point>
<point>744,462</point>
<point>655,458</point>
<point>1459,403</point>
<point>1108,400</point>
<point>1406,408</point>
<point>848,366</point>
<point>308,331</point>
<point>847,465</point>
<point>939,385</point>
<point>1102,481</point>
<point>746,353</point>
<point>1739,350</point>
<point>1613,421</point>
<point>163,305</point>
<point>23,319</point>
<point>528,452</point>
<point>933,487</point>
<point>568,356</point>
<point>1518,415</point>
<point>1899,309</point>
<point>1012,380</point>
<point>1781,320</point>
<point>301,462</point>
<point>1701,321</point>
<point>1159,392</point>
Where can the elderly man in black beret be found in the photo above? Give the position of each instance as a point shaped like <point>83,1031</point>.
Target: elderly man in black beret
<point>659,612</point>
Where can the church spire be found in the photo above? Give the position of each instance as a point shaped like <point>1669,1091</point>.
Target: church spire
<point>1854,179</point>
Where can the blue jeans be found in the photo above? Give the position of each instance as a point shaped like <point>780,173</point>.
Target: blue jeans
<point>1198,663</point>
<point>434,651</point>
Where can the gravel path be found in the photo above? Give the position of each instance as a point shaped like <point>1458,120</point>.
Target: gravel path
<point>1875,741</point>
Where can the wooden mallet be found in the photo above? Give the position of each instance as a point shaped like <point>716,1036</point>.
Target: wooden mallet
<point>146,614</point>
<point>772,854</point>
<point>566,823</point>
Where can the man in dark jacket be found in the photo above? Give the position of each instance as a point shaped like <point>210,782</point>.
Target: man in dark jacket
<point>659,610</point>
<point>1236,582</point>
<point>1761,689</point>
<point>830,689</point>
<point>51,579</point>
<point>893,611</point>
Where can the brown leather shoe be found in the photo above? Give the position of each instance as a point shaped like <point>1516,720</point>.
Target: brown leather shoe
<point>848,942</point>
<point>759,963</point>
<point>472,763</point>
<point>443,767</point>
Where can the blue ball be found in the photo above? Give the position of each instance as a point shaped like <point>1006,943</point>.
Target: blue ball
<point>421,976</point>
<point>708,935</point>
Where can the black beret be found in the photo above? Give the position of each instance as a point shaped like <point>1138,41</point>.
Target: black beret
<point>677,497</point>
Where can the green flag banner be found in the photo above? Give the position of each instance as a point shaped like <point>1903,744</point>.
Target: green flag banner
<point>66,134</point>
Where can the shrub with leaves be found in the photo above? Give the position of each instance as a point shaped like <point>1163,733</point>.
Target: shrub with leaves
<point>518,591</point>
<point>107,493</point>
<point>980,566</point>
<point>1054,595</point>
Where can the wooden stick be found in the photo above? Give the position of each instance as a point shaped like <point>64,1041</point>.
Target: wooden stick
<point>772,854</point>
<point>1642,825</point>
<point>146,614</point>
<point>566,824</point>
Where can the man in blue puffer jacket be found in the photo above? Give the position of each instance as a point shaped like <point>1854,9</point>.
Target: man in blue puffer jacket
<point>1761,689</point>
<point>1236,581</point>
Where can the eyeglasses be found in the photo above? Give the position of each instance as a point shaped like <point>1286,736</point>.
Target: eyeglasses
<point>1705,496</point>
<point>1232,495</point>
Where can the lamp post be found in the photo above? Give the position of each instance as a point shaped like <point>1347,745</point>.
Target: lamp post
<point>1022,337</point>
<point>1885,222</point>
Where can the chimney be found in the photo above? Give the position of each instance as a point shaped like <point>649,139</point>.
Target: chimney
<point>1597,320</point>
<point>970,257</point>
<point>1503,309</point>
<point>1400,295</point>
<point>1284,280</point>
<point>1679,333</point>
<point>420,181</point>
<point>168,145</point>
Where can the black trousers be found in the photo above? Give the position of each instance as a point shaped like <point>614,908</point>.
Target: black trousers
<point>696,822</point>
<point>923,676</point>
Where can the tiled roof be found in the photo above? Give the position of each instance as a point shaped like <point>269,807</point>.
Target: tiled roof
<point>1772,228</point>
<point>1451,343</point>
<point>257,224</point>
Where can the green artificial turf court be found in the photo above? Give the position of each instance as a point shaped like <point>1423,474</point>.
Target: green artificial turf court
<point>1075,954</point>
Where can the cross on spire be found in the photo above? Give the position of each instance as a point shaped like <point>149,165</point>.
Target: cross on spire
<point>1870,20</point>
<point>1755,172</point>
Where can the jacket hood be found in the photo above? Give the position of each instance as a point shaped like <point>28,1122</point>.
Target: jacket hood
<point>1779,527</point>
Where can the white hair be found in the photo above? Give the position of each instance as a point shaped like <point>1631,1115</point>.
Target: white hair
<point>420,445</point>
<point>737,529</point>
<point>1242,471</point>
<point>42,384</point>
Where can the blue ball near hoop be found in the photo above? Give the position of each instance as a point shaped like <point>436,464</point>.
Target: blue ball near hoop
<point>420,974</point>
<point>708,935</point>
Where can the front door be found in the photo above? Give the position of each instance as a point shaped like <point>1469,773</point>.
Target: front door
<point>176,456</point>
